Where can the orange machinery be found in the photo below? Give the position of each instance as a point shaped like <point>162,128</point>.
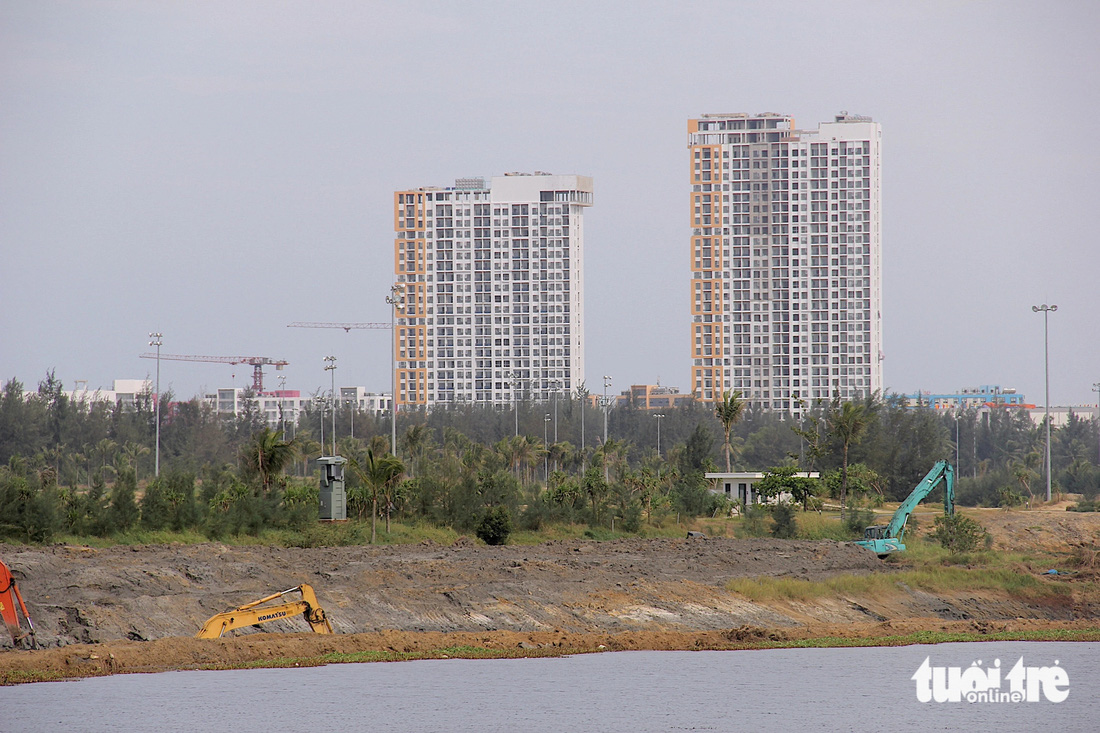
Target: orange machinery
<point>11,602</point>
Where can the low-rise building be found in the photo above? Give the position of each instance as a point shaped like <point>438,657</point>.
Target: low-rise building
<point>987,395</point>
<point>740,486</point>
<point>646,397</point>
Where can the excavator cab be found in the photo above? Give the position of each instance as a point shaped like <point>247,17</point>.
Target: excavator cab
<point>877,532</point>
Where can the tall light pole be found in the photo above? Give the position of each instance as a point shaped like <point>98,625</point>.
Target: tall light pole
<point>957,467</point>
<point>1096,388</point>
<point>515,398</point>
<point>1046,311</point>
<point>606,384</point>
<point>581,392</point>
<point>546,454</point>
<point>396,299</point>
<point>331,369</point>
<point>155,340</point>
<point>658,416</point>
<point>555,385</point>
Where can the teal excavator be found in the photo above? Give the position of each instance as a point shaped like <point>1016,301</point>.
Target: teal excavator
<point>882,539</point>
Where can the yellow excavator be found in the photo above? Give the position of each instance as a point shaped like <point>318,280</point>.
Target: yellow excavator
<point>252,614</point>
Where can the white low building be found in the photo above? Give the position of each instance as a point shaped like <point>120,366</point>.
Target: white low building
<point>740,486</point>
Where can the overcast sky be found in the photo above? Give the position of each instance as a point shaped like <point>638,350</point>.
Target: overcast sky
<point>217,170</point>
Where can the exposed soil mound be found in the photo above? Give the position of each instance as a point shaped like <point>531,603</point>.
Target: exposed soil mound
<point>136,608</point>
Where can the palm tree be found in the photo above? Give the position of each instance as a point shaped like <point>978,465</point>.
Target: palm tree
<point>133,451</point>
<point>526,454</point>
<point>848,424</point>
<point>729,412</point>
<point>267,455</point>
<point>378,475</point>
<point>416,441</point>
<point>105,448</point>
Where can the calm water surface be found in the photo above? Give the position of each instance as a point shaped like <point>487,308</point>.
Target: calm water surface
<point>780,690</point>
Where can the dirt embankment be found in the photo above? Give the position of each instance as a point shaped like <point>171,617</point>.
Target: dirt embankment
<point>138,606</point>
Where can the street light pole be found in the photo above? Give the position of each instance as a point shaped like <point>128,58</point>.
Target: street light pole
<point>957,467</point>
<point>515,398</point>
<point>546,454</point>
<point>1096,388</point>
<point>396,299</point>
<point>331,369</point>
<point>658,416</point>
<point>1046,311</point>
<point>157,339</point>
<point>606,384</point>
<point>581,392</point>
<point>555,385</point>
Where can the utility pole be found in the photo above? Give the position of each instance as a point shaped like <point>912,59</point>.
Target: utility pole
<point>396,299</point>
<point>331,369</point>
<point>156,341</point>
<point>546,455</point>
<point>606,403</point>
<point>515,398</point>
<point>1096,388</point>
<point>555,385</point>
<point>1046,311</point>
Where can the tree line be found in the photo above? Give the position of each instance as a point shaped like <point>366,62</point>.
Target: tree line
<point>86,468</point>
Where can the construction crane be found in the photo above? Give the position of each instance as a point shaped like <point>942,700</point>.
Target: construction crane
<point>346,326</point>
<point>257,362</point>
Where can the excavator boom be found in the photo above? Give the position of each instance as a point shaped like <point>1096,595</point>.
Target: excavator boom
<point>11,602</point>
<point>255,613</point>
<point>884,539</point>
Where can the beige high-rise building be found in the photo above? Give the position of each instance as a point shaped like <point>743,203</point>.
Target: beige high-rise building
<point>491,282</point>
<point>786,259</point>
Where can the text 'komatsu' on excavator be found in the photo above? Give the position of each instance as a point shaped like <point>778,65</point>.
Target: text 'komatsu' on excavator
<point>256,613</point>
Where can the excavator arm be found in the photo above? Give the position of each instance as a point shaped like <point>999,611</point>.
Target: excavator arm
<point>256,613</point>
<point>11,600</point>
<point>884,539</point>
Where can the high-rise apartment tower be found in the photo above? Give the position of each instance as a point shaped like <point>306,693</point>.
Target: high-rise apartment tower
<point>490,289</point>
<point>785,259</point>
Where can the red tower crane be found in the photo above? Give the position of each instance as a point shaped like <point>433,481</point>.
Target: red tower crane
<point>257,363</point>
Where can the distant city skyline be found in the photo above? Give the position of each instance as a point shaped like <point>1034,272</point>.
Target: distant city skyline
<point>215,173</point>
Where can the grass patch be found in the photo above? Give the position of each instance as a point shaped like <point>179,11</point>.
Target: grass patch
<point>814,526</point>
<point>1016,582</point>
<point>25,676</point>
<point>932,637</point>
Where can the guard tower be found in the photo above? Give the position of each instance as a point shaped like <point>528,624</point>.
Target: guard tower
<point>334,500</point>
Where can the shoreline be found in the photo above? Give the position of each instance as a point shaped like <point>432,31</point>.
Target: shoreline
<point>261,650</point>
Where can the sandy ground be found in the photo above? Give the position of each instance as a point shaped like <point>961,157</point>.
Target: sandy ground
<point>127,609</point>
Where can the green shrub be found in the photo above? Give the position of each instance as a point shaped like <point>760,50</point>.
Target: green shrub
<point>959,533</point>
<point>784,525</point>
<point>495,526</point>
<point>753,522</point>
<point>857,521</point>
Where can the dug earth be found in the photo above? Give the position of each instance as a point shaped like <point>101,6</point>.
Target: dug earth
<point>137,608</point>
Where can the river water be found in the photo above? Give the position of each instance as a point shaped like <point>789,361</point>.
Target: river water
<point>866,689</point>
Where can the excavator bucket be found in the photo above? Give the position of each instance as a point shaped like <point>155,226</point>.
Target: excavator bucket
<point>11,602</point>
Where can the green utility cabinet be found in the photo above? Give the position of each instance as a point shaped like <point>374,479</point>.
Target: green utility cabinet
<point>334,498</point>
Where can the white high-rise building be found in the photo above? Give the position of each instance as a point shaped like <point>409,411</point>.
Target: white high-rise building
<point>490,277</point>
<point>785,258</point>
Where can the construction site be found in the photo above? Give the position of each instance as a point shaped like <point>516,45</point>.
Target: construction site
<point>139,608</point>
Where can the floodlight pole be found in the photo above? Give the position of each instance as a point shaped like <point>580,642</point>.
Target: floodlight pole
<point>396,299</point>
<point>157,340</point>
<point>331,369</point>
<point>1046,311</point>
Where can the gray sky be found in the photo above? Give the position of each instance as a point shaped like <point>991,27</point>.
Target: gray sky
<point>217,170</point>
